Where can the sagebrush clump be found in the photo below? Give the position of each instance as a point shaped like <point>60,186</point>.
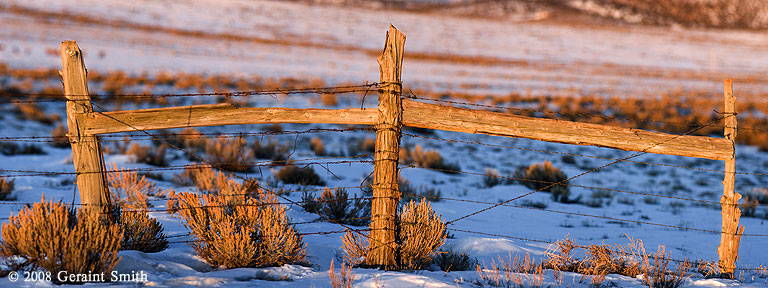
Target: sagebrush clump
<point>6,187</point>
<point>292,174</point>
<point>230,155</point>
<point>129,190</point>
<point>422,232</point>
<point>152,155</point>
<point>336,206</point>
<point>428,159</point>
<point>543,176</point>
<point>50,236</point>
<point>241,231</point>
<point>140,232</point>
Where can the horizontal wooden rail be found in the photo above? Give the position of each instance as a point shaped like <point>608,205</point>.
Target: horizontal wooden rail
<point>216,115</point>
<point>432,116</point>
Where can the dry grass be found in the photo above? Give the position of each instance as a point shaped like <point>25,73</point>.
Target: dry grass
<point>452,261</point>
<point>658,275</point>
<point>240,231</point>
<point>129,190</point>
<point>152,155</point>
<point>6,187</point>
<point>344,279</point>
<point>538,176</point>
<point>49,236</point>
<point>355,247</point>
<point>209,181</point>
<point>336,206</point>
<point>229,154</point>
<point>140,232</point>
<point>512,272</point>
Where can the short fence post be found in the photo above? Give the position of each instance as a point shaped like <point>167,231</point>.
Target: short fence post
<point>86,150</point>
<point>386,194</point>
<point>728,251</point>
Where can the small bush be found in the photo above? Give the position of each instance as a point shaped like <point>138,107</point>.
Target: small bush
<point>30,111</point>
<point>651,200</point>
<point>329,99</point>
<point>271,150</point>
<point>336,206</point>
<point>129,190</point>
<point>60,139</point>
<point>139,231</point>
<point>361,146</point>
<point>533,204</point>
<point>230,155</point>
<point>422,232</point>
<point>316,144</point>
<point>293,174</point>
<point>538,176</point>
<point>428,159</point>
<point>152,155</point>
<point>240,231</point>
<point>749,206</point>
<point>452,261</point>
<point>409,192</point>
<point>190,138</point>
<point>49,236</point>
<point>209,181</point>
<point>6,187</point>
<point>658,275</point>
<point>492,178</point>
<point>11,149</point>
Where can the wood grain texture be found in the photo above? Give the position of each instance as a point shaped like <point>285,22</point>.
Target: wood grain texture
<point>219,114</point>
<point>728,251</point>
<point>386,193</point>
<point>432,116</point>
<point>86,150</point>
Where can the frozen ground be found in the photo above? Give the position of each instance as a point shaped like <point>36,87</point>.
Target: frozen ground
<point>339,45</point>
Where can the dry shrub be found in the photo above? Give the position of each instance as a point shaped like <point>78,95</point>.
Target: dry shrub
<point>335,206</point>
<point>293,174</point>
<point>152,155</point>
<point>60,138</point>
<point>316,144</point>
<point>329,99</point>
<point>658,275</point>
<point>209,181</point>
<point>49,236</point>
<point>140,232</point>
<point>452,261</point>
<point>11,148</point>
<point>271,150</point>
<point>422,232</point>
<point>6,187</point>
<point>427,158</point>
<point>30,111</point>
<point>130,190</point>
<point>361,146</point>
<point>513,272</point>
<point>191,138</point>
<point>230,155</point>
<point>346,277</point>
<point>240,231</point>
<point>492,178</point>
<point>538,176</point>
<point>410,192</point>
<point>710,13</point>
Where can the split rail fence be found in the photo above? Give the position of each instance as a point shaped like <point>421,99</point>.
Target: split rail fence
<point>393,113</point>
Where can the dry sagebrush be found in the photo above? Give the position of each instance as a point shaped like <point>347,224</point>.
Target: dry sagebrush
<point>336,206</point>
<point>129,190</point>
<point>242,231</point>
<point>50,236</point>
<point>6,187</point>
<point>140,232</point>
<point>512,272</point>
<point>422,232</point>
<point>230,155</point>
<point>543,176</point>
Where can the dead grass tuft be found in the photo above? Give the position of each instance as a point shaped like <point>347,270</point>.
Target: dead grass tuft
<point>512,272</point>
<point>50,236</point>
<point>346,277</point>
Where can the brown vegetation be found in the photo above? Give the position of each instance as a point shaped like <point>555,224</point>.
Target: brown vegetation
<point>30,111</point>
<point>60,138</point>
<point>152,155</point>
<point>336,206</point>
<point>229,154</point>
<point>427,158</point>
<point>6,187</point>
<point>140,232</point>
<point>50,236</point>
<point>344,279</point>
<point>129,190</point>
<point>542,176</point>
<point>240,231</point>
<point>292,174</point>
<point>512,272</point>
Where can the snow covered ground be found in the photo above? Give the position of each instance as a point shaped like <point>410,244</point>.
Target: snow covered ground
<point>475,55</point>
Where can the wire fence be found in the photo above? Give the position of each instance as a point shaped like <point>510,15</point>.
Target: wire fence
<point>169,139</point>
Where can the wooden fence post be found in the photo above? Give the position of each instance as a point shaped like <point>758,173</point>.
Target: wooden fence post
<point>386,193</point>
<point>86,150</point>
<point>728,251</point>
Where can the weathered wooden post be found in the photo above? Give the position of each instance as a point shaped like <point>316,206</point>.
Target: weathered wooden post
<point>728,251</point>
<point>86,150</point>
<point>386,194</point>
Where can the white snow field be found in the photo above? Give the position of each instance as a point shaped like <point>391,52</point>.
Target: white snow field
<point>442,53</point>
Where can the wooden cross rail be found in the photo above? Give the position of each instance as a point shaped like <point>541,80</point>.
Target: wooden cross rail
<point>392,113</point>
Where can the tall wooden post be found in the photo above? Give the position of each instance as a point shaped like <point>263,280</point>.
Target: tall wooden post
<point>728,251</point>
<point>86,150</point>
<point>386,193</point>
